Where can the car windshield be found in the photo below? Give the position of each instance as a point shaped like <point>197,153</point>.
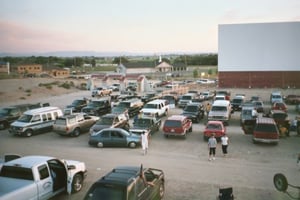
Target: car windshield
<point>4,111</point>
<point>142,122</point>
<point>118,109</point>
<point>25,118</point>
<point>105,121</point>
<point>186,97</point>
<point>124,104</point>
<point>148,105</point>
<point>237,101</point>
<point>76,102</point>
<point>105,192</point>
<point>96,103</point>
<point>214,126</point>
<point>219,108</point>
<point>172,123</point>
<point>268,128</point>
<point>191,108</point>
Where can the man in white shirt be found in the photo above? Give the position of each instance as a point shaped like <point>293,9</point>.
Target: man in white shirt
<point>224,142</point>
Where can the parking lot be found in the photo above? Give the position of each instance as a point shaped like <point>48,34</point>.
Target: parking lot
<point>249,168</point>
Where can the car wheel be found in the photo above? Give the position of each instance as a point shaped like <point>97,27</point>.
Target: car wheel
<point>132,145</point>
<point>5,125</point>
<point>29,133</point>
<point>77,183</point>
<point>100,144</point>
<point>166,136</point>
<point>205,138</point>
<point>166,113</point>
<point>76,132</point>
<point>161,191</point>
<point>191,129</point>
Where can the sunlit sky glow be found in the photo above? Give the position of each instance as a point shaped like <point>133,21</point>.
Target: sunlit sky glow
<point>137,26</point>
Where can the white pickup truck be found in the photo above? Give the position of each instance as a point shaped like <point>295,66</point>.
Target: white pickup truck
<point>40,177</point>
<point>156,108</point>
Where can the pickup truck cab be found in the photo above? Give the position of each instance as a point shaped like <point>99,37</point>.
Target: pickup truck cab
<point>97,107</point>
<point>40,177</point>
<point>157,108</point>
<point>129,182</point>
<point>151,124</point>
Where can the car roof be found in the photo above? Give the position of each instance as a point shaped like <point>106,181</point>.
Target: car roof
<point>265,120</point>
<point>215,122</point>
<point>28,161</point>
<point>221,103</point>
<point>41,110</point>
<point>177,117</point>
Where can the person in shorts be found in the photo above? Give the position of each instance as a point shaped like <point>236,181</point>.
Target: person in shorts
<point>212,145</point>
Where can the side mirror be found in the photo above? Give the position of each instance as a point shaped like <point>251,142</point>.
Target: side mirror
<point>280,182</point>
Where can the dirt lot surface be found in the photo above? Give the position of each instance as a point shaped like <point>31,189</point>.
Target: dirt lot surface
<point>249,168</point>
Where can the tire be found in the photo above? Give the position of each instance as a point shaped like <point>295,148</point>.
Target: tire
<point>76,132</point>
<point>100,144</point>
<point>77,183</point>
<point>191,129</point>
<point>166,113</point>
<point>161,191</point>
<point>5,125</point>
<point>28,133</point>
<point>205,138</point>
<point>132,145</point>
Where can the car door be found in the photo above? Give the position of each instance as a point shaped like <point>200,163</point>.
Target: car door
<point>118,139</point>
<point>105,138</point>
<point>45,182</point>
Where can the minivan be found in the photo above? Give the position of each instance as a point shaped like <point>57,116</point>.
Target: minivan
<point>265,131</point>
<point>220,111</point>
<point>39,120</point>
<point>276,97</point>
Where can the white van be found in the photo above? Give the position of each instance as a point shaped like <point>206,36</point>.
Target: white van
<point>39,120</point>
<point>276,97</point>
<point>220,111</point>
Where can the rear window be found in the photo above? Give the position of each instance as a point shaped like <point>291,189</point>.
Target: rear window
<point>218,108</point>
<point>268,128</point>
<point>105,192</point>
<point>172,123</point>
<point>16,172</point>
<point>60,121</point>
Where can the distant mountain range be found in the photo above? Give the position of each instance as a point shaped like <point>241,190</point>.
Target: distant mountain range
<point>87,54</point>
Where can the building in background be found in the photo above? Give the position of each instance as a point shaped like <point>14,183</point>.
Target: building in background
<point>259,55</point>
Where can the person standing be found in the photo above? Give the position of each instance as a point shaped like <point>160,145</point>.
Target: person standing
<point>224,142</point>
<point>212,145</point>
<point>144,142</point>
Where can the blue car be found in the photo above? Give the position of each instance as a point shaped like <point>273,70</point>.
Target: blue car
<point>114,137</point>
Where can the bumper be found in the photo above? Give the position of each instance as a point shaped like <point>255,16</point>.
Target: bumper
<point>269,141</point>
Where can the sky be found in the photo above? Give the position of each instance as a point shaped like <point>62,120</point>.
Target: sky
<point>136,26</point>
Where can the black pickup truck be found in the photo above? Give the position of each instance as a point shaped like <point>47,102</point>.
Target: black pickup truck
<point>144,123</point>
<point>97,107</point>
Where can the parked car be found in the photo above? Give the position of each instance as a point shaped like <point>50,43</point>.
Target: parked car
<point>11,113</point>
<point>127,182</point>
<point>194,111</point>
<point>226,93</point>
<point>146,123</point>
<point>78,104</point>
<point>186,99</point>
<point>279,106</point>
<point>156,108</point>
<point>265,131</point>
<point>207,95</point>
<point>276,97</point>
<point>172,99</point>
<point>281,118</point>
<point>40,177</point>
<point>237,102</point>
<point>133,106</point>
<point>74,125</point>
<point>292,99</point>
<point>214,127</point>
<point>114,137</point>
<point>110,121</point>
<point>150,96</point>
<point>177,125</point>
<point>97,107</point>
<point>259,106</point>
<point>248,119</point>
<point>101,91</point>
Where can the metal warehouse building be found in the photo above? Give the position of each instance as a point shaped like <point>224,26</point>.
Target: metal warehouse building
<point>259,55</point>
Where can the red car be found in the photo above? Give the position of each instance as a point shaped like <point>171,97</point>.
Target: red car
<point>214,127</point>
<point>279,106</point>
<point>177,125</point>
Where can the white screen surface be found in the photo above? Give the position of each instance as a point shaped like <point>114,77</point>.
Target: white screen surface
<point>259,47</point>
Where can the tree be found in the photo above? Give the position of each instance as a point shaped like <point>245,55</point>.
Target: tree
<point>119,60</point>
<point>195,73</point>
